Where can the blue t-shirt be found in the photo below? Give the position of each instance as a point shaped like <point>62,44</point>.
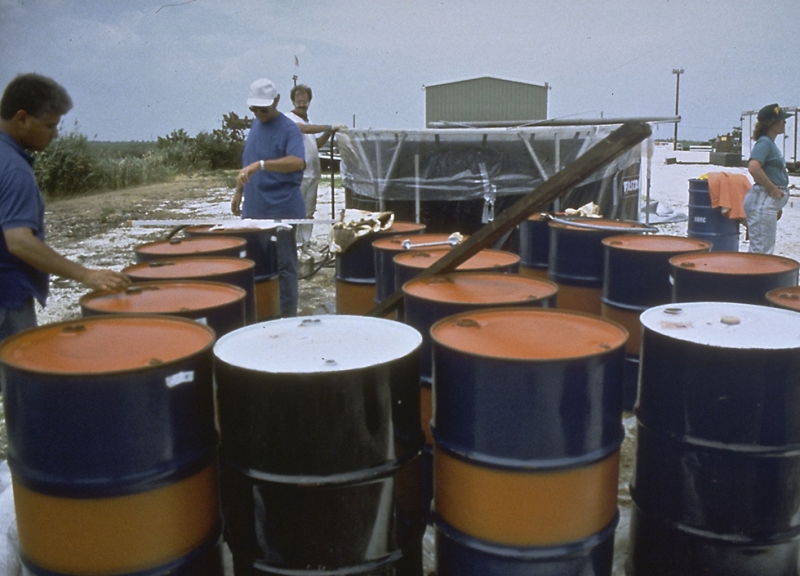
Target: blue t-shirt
<point>767,152</point>
<point>273,194</point>
<point>21,206</point>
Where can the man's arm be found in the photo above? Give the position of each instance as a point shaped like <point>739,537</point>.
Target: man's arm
<point>285,164</point>
<point>22,243</point>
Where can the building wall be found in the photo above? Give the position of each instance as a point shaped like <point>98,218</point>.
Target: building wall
<point>485,99</point>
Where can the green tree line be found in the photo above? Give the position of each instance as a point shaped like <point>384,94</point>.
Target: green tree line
<point>72,165</point>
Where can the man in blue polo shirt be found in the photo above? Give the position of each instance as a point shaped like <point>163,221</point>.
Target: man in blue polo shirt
<point>272,171</point>
<point>30,112</point>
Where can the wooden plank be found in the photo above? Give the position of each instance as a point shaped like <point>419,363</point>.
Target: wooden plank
<point>619,141</point>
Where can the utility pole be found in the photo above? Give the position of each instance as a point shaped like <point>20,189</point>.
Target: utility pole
<point>677,73</point>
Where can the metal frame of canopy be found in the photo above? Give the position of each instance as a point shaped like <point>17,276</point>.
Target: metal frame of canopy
<point>474,163</point>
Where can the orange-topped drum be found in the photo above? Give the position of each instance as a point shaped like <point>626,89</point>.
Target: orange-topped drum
<point>576,259</point>
<point>636,276</point>
<point>261,248</point>
<point>356,273</point>
<point>730,276</point>
<point>236,271</point>
<point>408,264</point>
<point>527,431</point>
<point>427,300</point>
<point>112,444</point>
<point>200,246</point>
<point>215,304</point>
<point>788,298</point>
<point>387,248</point>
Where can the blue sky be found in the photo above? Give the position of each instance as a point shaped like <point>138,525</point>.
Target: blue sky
<point>139,69</point>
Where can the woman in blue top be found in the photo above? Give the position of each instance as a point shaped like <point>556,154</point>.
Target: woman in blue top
<point>770,193</point>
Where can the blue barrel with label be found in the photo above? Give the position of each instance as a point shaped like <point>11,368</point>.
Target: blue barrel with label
<point>707,223</point>
<point>112,446</point>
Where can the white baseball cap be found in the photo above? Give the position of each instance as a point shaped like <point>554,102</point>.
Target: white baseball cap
<point>262,93</point>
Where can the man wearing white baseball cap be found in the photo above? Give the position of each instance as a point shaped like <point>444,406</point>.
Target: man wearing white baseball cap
<point>272,171</point>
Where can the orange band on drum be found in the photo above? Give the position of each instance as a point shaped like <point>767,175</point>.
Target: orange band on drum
<point>525,508</point>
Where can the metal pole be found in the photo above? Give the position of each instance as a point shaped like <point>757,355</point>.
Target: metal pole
<point>333,190</point>
<point>416,188</point>
<point>677,73</point>
<point>553,122</point>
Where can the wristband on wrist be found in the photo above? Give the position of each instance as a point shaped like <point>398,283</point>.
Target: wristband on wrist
<point>261,164</point>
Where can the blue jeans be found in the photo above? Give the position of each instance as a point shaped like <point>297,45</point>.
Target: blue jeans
<point>762,218</point>
<point>13,321</point>
<point>287,270</point>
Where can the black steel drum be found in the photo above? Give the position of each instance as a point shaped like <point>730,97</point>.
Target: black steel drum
<point>320,446</point>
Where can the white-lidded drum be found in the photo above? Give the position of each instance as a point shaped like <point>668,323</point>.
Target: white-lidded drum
<point>320,445</point>
<point>715,486</point>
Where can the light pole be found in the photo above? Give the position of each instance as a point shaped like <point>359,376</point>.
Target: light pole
<point>677,73</point>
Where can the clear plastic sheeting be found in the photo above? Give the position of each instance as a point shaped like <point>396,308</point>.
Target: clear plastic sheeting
<point>406,170</point>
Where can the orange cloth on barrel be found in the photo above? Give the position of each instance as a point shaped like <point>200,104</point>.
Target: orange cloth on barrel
<point>727,191</point>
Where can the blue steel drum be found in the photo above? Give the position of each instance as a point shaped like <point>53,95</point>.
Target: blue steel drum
<point>236,271</point>
<point>428,300</point>
<point>576,259</point>
<point>707,223</point>
<point>527,426</point>
<point>261,248</point>
<point>386,249</point>
<point>199,246</point>
<point>355,269</point>
<point>220,306</point>
<point>409,264</point>
<point>534,246</point>
<point>320,443</point>
<point>636,276</point>
<point>787,298</point>
<point>457,553</point>
<point>715,488</point>
<point>730,276</point>
<point>112,445</point>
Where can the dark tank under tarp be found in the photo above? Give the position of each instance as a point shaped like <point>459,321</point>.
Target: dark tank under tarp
<point>458,179</point>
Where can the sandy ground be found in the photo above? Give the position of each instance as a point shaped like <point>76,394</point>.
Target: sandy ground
<point>94,230</point>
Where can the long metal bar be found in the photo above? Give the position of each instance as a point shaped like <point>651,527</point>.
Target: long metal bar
<point>534,156</point>
<point>333,189</point>
<point>384,182</point>
<point>620,140</point>
<point>554,122</point>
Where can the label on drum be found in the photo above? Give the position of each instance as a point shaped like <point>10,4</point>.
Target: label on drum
<point>242,254</point>
<point>180,378</point>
